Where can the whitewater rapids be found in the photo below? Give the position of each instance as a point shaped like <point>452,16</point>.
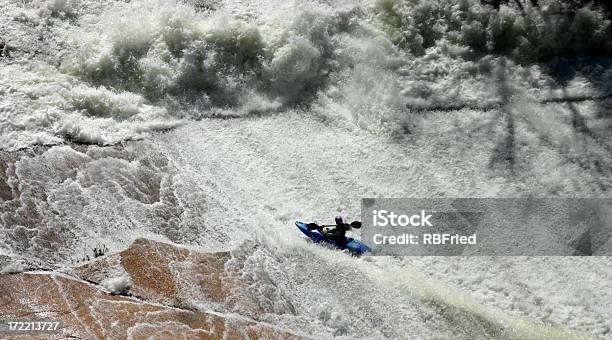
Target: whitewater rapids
<point>217,124</point>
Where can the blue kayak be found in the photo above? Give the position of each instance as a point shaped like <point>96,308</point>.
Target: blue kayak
<point>354,246</point>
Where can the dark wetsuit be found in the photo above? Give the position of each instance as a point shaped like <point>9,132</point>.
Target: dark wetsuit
<point>338,234</point>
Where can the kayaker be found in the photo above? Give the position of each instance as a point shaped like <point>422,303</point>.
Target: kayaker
<point>336,233</point>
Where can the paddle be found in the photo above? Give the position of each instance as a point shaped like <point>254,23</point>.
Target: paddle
<point>312,226</point>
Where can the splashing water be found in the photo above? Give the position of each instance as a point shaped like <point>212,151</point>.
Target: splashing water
<point>214,123</point>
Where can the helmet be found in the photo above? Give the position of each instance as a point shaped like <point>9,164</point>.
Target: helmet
<point>338,219</point>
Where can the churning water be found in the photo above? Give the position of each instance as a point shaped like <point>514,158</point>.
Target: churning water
<point>215,123</point>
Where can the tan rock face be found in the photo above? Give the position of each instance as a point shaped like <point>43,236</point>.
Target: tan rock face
<point>161,274</point>
<point>166,274</point>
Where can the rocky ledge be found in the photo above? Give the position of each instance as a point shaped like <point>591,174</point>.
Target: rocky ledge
<point>149,290</point>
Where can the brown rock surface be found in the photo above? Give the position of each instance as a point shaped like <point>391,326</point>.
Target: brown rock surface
<point>175,276</point>
<point>160,273</point>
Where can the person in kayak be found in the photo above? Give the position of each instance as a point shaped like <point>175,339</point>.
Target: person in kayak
<point>336,233</point>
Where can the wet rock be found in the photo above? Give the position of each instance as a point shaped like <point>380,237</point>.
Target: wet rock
<point>5,48</point>
<point>88,312</point>
<point>204,5</point>
<point>176,276</point>
<point>150,289</point>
